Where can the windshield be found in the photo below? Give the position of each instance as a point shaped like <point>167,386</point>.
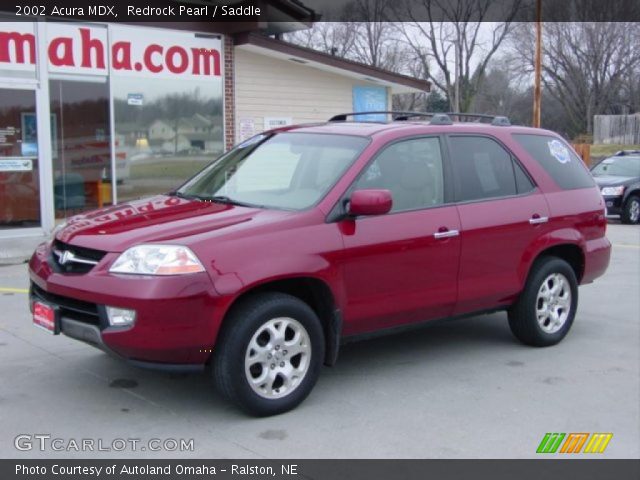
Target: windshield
<point>285,170</point>
<point>619,166</point>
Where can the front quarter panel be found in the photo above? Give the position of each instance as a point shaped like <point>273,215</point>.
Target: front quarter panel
<point>303,247</point>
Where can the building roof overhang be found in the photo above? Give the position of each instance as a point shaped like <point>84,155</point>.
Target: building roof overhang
<point>305,56</point>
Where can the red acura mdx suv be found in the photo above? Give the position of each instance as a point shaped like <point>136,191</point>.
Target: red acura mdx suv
<point>300,238</point>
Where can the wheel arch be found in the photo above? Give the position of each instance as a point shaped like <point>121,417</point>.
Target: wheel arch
<point>313,291</point>
<point>630,191</point>
<point>572,253</point>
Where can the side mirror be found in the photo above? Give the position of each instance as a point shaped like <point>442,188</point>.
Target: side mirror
<point>370,202</point>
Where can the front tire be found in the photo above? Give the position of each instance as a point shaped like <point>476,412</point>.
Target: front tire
<point>544,313</point>
<point>631,210</point>
<point>269,354</point>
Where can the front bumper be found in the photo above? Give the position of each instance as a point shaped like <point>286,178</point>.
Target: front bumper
<point>176,322</point>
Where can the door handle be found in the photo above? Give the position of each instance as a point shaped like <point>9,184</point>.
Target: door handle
<point>537,219</point>
<point>446,234</point>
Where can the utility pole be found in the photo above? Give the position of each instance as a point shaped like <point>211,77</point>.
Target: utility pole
<point>456,106</point>
<point>537,94</point>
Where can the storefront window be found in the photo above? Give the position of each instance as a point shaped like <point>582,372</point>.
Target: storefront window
<point>19,163</point>
<point>165,134</point>
<point>164,88</point>
<point>19,173</point>
<point>167,98</point>
<point>81,144</point>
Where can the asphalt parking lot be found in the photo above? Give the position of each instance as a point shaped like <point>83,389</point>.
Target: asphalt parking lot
<point>462,389</point>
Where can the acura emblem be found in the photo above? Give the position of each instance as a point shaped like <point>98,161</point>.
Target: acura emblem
<point>66,257</point>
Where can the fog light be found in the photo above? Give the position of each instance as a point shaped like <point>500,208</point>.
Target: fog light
<point>121,317</point>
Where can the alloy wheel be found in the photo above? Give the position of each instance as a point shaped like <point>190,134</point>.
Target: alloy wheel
<point>278,358</point>
<point>553,303</point>
<point>634,210</point>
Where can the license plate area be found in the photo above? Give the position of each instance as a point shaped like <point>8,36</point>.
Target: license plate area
<point>46,317</point>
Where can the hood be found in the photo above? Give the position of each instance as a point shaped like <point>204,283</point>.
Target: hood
<point>157,219</point>
<point>614,180</point>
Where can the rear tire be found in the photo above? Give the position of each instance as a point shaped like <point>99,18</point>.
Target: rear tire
<point>268,356</point>
<point>631,211</point>
<point>544,313</point>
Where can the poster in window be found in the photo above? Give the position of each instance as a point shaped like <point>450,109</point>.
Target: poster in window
<point>369,99</point>
<point>247,129</point>
<point>29,144</point>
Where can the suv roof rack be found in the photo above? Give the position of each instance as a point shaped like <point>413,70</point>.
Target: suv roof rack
<point>437,118</point>
<point>342,117</point>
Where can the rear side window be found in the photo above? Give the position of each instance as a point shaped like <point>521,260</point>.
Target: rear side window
<point>523,183</point>
<point>484,169</point>
<point>558,159</point>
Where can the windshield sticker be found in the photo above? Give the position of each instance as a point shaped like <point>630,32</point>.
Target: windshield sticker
<point>559,151</point>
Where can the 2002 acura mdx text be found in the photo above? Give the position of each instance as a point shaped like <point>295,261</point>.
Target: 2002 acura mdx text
<point>299,238</point>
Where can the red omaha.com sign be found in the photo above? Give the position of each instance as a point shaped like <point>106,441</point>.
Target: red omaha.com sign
<point>132,51</point>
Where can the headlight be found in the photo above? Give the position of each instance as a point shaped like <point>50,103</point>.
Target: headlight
<point>157,260</point>
<point>612,191</point>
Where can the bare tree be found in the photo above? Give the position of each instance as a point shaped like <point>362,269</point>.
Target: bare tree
<point>375,38</point>
<point>631,91</point>
<point>587,66</point>
<point>334,38</point>
<point>411,101</point>
<point>453,44</point>
<point>372,41</point>
<point>496,95</point>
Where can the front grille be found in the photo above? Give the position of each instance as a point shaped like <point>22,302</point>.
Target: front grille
<point>77,260</point>
<point>79,310</point>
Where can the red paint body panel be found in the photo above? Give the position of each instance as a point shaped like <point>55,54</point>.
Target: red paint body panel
<point>172,313</point>
<point>494,246</point>
<point>370,202</point>
<point>396,272</point>
<point>384,271</point>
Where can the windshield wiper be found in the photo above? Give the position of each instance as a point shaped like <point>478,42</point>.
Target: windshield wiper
<point>214,198</point>
<point>178,194</point>
<point>231,201</point>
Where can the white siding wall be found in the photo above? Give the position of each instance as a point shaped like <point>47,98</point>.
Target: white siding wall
<point>270,87</point>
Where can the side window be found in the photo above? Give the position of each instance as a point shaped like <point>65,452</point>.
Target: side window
<point>558,159</point>
<point>411,170</point>
<point>523,182</point>
<point>482,168</point>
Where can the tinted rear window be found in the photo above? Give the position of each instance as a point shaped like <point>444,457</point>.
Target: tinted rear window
<point>558,159</point>
<point>483,169</point>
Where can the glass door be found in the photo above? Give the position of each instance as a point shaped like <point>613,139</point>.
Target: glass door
<point>19,163</point>
<point>81,143</point>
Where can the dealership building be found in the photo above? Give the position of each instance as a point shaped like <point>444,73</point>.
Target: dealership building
<point>93,114</point>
